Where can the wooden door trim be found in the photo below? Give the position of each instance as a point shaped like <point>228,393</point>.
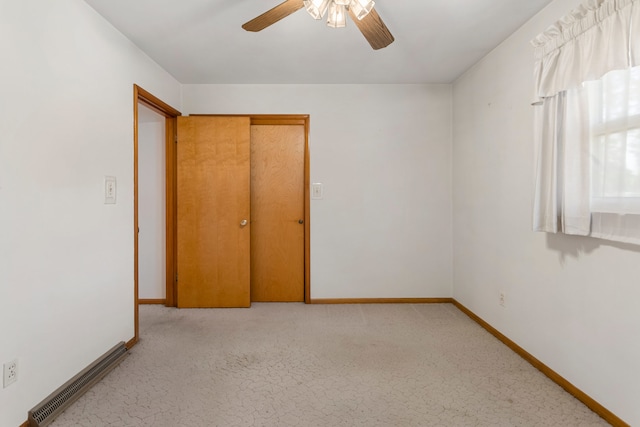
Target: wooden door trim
<point>156,104</point>
<point>307,216</point>
<point>171,221</point>
<point>257,121</point>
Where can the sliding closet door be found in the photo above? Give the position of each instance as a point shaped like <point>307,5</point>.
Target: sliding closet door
<point>213,208</point>
<point>277,211</point>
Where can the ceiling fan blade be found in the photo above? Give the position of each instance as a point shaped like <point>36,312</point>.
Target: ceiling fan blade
<point>273,15</point>
<point>373,29</point>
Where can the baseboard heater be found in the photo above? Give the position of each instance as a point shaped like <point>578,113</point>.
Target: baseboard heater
<point>47,410</point>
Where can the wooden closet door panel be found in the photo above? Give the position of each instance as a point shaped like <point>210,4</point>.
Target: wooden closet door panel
<point>213,198</point>
<point>277,207</point>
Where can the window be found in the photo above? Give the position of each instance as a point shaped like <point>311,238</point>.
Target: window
<point>587,122</point>
<point>614,111</point>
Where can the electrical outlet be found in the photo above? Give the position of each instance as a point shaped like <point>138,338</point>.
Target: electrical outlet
<point>10,373</point>
<point>502,299</point>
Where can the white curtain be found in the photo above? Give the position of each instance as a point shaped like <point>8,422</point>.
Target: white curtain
<point>599,37</point>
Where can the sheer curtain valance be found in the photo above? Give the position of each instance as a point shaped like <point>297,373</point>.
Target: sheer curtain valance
<point>583,63</point>
<point>585,45</point>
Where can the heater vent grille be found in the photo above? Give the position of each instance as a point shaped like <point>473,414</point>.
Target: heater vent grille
<point>46,411</point>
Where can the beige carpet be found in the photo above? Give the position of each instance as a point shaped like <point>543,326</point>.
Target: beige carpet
<point>322,365</point>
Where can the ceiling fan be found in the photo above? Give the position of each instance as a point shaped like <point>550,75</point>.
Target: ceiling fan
<point>361,12</point>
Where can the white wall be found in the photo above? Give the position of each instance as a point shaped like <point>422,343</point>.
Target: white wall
<point>151,204</point>
<point>384,228</point>
<point>571,302</point>
<point>383,153</point>
<point>66,259</point>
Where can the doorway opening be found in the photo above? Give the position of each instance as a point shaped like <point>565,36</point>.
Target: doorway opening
<point>151,207</point>
<point>143,101</point>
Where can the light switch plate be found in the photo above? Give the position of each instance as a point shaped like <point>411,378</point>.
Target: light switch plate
<point>316,190</point>
<point>110,190</point>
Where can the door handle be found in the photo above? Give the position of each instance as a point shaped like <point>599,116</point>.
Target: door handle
<point>300,221</point>
<point>243,222</point>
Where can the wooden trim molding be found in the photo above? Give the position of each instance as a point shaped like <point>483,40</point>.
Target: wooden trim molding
<point>266,119</point>
<point>152,301</point>
<point>133,341</point>
<point>171,218</point>
<point>156,104</point>
<point>382,301</point>
<point>596,407</point>
<point>307,215</point>
<point>284,121</point>
<point>25,424</point>
<point>136,324</point>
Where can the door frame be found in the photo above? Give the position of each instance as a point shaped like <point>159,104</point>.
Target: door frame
<point>278,119</point>
<point>156,104</point>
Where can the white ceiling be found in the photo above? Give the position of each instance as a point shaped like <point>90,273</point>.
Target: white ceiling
<point>201,41</point>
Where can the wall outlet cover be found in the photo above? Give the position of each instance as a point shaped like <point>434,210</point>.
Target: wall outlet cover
<point>10,371</point>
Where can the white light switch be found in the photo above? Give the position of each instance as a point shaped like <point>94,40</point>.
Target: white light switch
<point>316,190</point>
<point>110,190</point>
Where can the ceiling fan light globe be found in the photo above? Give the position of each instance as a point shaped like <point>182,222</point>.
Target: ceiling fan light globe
<point>337,16</point>
<point>316,8</point>
<point>361,8</point>
<point>342,2</point>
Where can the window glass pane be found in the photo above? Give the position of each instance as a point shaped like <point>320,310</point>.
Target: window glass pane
<point>634,90</point>
<point>615,170</point>
<point>614,103</point>
<point>632,164</point>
